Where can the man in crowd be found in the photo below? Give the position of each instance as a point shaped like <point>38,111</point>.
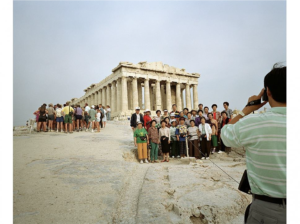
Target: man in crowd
<point>102,114</point>
<point>87,108</point>
<point>165,114</point>
<point>225,120</point>
<point>147,119</point>
<point>205,113</point>
<point>228,111</point>
<point>175,111</point>
<point>264,138</point>
<point>200,107</point>
<point>68,118</point>
<point>135,118</point>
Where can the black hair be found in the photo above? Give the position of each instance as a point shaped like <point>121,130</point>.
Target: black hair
<point>166,118</point>
<point>174,104</point>
<point>186,109</point>
<point>224,112</point>
<point>189,113</point>
<point>214,105</point>
<point>200,104</point>
<point>192,121</point>
<point>163,121</point>
<point>275,81</point>
<point>158,110</point>
<point>199,111</point>
<point>202,118</point>
<point>226,103</point>
<point>153,121</point>
<point>210,114</point>
<point>205,107</point>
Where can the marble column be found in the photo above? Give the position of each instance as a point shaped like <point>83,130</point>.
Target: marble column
<point>140,95</point>
<point>90,100</point>
<point>103,96</point>
<point>151,97</point>
<point>119,88</point>
<point>195,96</point>
<point>129,94</point>
<point>157,95</point>
<point>108,93</point>
<point>168,95</point>
<point>173,95</point>
<point>100,96</point>
<point>146,94</point>
<point>188,96</point>
<point>163,97</point>
<point>135,95</point>
<point>124,94</point>
<point>96,97</point>
<point>178,97</point>
<point>182,99</point>
<point>113,97</point>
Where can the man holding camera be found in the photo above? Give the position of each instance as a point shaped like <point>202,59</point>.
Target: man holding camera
<point>264,138</point>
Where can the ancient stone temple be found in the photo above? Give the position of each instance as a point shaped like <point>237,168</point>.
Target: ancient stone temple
<point>148,85</point>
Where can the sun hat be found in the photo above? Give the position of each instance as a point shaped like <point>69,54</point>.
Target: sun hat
<point>137,108</point>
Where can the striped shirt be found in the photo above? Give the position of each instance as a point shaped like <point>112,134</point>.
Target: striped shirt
<point>264,138</point>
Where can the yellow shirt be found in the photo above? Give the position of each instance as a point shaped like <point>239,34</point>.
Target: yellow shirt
<point>67,109</point>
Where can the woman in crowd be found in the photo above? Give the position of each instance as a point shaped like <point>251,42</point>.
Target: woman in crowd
<point>173,118</point>
<point>165,114</point>
<point>193,133</point>
<point>50,110</point>
<point>78,115</point>
<point>214,132</point>
<point>185,112</point>
<point>59,118</point>
<point>140,141</point>
<point>147,119</point>
<point>153,140</point>
<point>164,137</point>
<point>194,114</point>
<point>174,142</point>
<point>167,120</point>
<point>98,119</point>
<point>198,119</point>
<point>181,114</point>
<point>188,119</point>
<point>181,133</point>
<point>37,114</point>
<point>92,117</point>
<point>42,118</point>
<point>157,118</point>
<point>205,132</point>
<point>86,120</point>
<point>108,111</point>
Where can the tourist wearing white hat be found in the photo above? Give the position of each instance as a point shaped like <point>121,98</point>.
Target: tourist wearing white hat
<point>165,114</point>
<point>140,140</point>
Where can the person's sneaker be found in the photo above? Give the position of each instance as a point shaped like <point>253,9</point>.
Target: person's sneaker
<point>220,152</point>
<point>213,151</point>
<point>141,161</point>
<point>56,130</point>
<point>146,161</point>
<point>207,158</point>
<point>92,130</point>
<point>178,156</point>
<point>203,158</point>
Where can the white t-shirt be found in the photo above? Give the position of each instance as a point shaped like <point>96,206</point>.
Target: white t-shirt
<point>108,110</point>
<point>98,116</point>
<point>58,112</point>
<point>87,108</point>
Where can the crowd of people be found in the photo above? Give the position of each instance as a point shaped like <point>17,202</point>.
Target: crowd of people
<point>177,134</point>
<point>68,118</point>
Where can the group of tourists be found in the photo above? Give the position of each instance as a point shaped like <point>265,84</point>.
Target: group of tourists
<point>177,134</point>
<point>69,118</point>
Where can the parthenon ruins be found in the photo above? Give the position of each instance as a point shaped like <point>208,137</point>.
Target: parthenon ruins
<point>123,90</point>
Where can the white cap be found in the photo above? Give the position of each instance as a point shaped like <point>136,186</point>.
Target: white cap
<point>172,114</point>
<point>147,110</point>
<point>165,110</point>
<point>93,106</point>
<point>137,108</point>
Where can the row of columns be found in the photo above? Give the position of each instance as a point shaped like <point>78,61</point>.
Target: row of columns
<point>125,94</point>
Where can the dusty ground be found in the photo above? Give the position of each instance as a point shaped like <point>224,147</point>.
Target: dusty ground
<point>95,178</point>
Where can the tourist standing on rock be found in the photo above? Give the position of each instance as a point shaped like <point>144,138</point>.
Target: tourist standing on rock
<point>264,138</point>
<point>185,112</point>
<point>181,133</point>
<point>200,107</point>
<point>78,116</point>
<point>194,114</point>
<point>165,114</point>
<point>198,119</point>
<point>42,118</point>
<point>104,118</point>
<point>164,138</point>
<point>68,113</point>
<point>214,132</point>
<point>175,111</point>
<point>167,120</point>
<point>102,115</point>
<point>50,110</point>
<point>108,111</point>
<point>181,115</point>
<point>37,114</point>
<point>173,118</point>
<point>140,140</point>
<point>135,118</point>
<point>86,120</point>
<point>92,117</point>
<point>153,140</point>
<point>228,111</point>
<point>98,118</point>
<point>193,136</point>
<point>87,108</point>
<point>59,118</point>
<point>205,137</point>
<point>225,120</point>
<point>216,114</point>
<point>205,113</point>
<point>174,143</point>
<point>157,118</point>
<point>147,119</point>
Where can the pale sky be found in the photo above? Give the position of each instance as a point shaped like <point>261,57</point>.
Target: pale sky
<point>60,48</point>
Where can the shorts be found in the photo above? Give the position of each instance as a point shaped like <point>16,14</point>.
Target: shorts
<point>68,119</point>
<point>42,119</point>
<point>214,140</point>
<point>60,119</point>
<point>51,117</point>
<point>92,119</point>
<point>78,117</point>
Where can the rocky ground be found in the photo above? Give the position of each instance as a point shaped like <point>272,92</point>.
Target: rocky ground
<point>95,178</point>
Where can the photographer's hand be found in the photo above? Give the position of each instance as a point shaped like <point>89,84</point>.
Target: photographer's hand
<point>249,109</point>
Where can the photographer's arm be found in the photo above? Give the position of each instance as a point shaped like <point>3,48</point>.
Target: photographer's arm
<point>249,109</point>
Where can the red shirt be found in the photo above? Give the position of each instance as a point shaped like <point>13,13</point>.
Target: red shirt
<point>147,119</point>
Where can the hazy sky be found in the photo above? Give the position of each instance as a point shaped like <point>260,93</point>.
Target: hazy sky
<point>60,48</point>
